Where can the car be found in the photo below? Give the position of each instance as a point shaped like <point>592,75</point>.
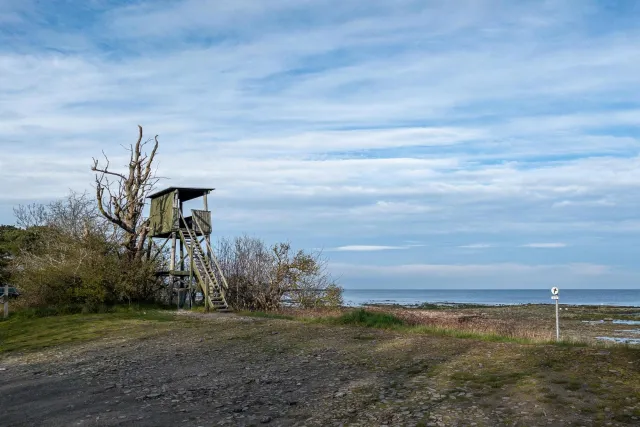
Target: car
<point>13,292</point>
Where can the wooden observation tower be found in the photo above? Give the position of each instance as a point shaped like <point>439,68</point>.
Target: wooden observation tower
<point>192,267</point>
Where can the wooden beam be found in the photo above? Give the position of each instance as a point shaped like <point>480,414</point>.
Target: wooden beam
<point>172,263</point>
<point>190,250</point>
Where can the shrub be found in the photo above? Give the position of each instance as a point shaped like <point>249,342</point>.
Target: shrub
<point>260,277</point>
<point>72,258</point>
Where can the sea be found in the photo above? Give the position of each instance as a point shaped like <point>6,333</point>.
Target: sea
<point>612,297</point>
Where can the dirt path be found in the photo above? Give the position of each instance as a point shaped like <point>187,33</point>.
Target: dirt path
<point>232,370</point>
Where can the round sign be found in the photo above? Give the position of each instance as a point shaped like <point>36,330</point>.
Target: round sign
<point>554,290</point>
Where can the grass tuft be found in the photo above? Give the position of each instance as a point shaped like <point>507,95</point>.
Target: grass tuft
<point>70,309</point>
<point>369,319</point>
<point>266,315</point>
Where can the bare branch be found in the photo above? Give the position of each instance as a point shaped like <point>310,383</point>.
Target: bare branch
<point>121,202</point>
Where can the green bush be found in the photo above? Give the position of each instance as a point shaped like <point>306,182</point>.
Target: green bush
<point>66,271</point>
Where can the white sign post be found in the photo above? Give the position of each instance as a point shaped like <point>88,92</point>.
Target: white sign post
<point>555,296</point>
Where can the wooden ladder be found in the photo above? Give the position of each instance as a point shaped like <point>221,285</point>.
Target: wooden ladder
<point>211,280</point>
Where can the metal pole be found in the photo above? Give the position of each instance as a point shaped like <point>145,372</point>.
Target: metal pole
<point>557,323</point>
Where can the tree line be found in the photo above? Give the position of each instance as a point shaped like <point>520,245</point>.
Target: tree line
<point>90,251</point>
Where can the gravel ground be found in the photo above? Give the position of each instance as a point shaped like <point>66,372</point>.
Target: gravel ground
<point>223,369</point>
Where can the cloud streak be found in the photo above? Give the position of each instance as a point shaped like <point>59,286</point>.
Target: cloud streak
<point>365,248</point>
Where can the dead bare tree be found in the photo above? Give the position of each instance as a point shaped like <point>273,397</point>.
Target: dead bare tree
<point>121,196</point>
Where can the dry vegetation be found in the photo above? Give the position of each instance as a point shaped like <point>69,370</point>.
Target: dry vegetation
<point>531,323</point>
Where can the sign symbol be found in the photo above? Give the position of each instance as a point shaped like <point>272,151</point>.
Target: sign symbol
<point>554,290</point>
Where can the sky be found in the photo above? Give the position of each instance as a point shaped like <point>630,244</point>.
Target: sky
<point>420,144</point>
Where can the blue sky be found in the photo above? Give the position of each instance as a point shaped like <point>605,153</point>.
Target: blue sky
<point>421,144</point>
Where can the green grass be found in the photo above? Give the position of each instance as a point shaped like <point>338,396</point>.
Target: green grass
<point>266,315</point>
<point>362,317</point>
<point>29,331</point>
<point>456,333</point>
<point>63,310</point>
<point>369,319</point>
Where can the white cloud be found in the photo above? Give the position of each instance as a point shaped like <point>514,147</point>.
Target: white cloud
<point>603,202</point>
<point>468,270</point>
<point>366,248</point>
<point>476,246</point>
<point>483,276</point>
<point>544,245</point>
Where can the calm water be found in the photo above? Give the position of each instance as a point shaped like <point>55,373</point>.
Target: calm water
<point>619,297</point>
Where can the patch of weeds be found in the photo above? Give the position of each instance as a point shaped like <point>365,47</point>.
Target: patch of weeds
<point>364,337</point>
<point>369,319</point>
<point>419,368</point>
<point>624,418</point>
<point>550,397</point>
<point>569,343</point>
<point>463,376</point>
<point>456,333</point>
<point>266,315</point>
<point>430,306</point>
<point>69,309</point>
<point>573,386</point>
<point>500,380</point>
<point>551,361</point>
<point>248,335</point>
<point>489,379</point>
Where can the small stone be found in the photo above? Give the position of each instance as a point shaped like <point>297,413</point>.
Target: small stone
<point>266,419</point>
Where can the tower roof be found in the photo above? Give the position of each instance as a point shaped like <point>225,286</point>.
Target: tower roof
<point>184,193</point>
